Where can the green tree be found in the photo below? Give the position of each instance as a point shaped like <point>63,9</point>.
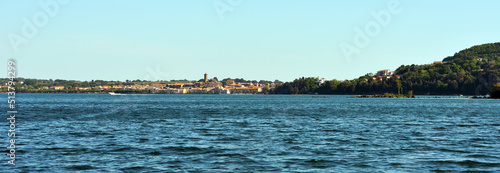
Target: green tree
<point>30,82</point>
<point>410,93</point>
<point>265,90</point>
<point>399,86</point>
<point>495,92</point>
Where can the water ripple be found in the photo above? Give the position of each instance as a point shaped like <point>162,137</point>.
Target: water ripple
<point>257,133</point>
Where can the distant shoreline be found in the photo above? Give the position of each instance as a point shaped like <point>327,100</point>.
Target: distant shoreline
<point>313,96</point>
<point>428,97</point>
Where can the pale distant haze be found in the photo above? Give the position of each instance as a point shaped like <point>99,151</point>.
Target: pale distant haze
<point>250,39</point>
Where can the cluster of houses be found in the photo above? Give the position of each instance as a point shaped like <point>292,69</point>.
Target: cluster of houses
<point>210,86</point>
<point>206,86</point>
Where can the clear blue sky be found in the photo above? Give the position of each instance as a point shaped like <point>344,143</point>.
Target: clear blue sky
<point>256,39</point>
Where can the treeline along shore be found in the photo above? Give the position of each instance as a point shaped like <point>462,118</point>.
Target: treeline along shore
<point>472,71</point>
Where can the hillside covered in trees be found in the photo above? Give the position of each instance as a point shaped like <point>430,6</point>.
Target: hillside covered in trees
<point>472,71</point>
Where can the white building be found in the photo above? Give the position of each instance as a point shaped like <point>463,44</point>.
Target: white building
<point>385,72</point>
<point>321,81</point>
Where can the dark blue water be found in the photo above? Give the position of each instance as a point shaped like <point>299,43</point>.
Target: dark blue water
<point>252,133</point>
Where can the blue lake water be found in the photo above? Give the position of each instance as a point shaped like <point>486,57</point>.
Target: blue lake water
<point>251,133</point>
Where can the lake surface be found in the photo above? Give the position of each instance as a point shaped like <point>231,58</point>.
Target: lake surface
<point>252,133</point>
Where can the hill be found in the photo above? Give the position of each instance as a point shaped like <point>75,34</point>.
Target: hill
<point>486,52</point>
<point>472,71</point>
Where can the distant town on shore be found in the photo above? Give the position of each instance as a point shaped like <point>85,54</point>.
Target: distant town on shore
<point>203,86</point>
<point>472,71</point>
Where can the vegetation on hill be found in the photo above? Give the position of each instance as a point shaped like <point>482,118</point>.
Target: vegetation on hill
<point>486,51</point>
<point>472,71</point>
